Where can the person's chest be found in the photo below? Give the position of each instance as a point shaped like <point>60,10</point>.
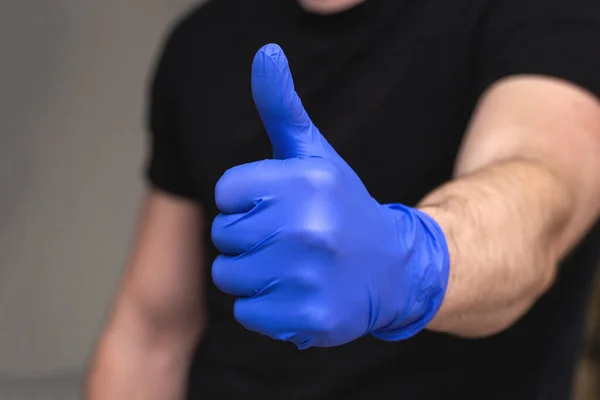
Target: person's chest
<point>394,100</point>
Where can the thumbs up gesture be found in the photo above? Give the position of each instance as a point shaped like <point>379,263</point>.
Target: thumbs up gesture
<point>311,257</point>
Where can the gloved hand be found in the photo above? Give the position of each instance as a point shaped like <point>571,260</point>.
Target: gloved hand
<point>313,258</point>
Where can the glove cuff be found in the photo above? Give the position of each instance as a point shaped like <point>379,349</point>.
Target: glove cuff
<point>430,264</point>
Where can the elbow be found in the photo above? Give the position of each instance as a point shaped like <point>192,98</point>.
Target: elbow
<point>539,284</point>
<point>547,278</point>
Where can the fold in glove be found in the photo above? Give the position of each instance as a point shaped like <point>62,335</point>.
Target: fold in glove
<point>311,257</point>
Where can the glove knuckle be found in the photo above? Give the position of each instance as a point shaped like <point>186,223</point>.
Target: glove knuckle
<point>322,238</point>
<point>307,279</point>
<point>223,188</point>
<point>241,315</point>
<point>216,232</point>
<point>323,176</point>
<point>219,273</point>
<point>319,320</point>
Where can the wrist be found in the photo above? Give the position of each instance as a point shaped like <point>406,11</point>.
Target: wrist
<point>427,266</point>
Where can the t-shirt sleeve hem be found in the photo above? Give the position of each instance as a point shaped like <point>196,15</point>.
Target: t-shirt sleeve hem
<point>163,184</point>
<point>587,80</point>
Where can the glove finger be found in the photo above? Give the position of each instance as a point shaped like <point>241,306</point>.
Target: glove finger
<point>272,316</point>
<point>242,187</point>
<point>242,276</point>
<point>234,234</point>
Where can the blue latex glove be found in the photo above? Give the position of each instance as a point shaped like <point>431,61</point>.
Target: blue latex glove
<point>313,258</point>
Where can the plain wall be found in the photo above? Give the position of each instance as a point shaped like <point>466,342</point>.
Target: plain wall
<point>72,95</point>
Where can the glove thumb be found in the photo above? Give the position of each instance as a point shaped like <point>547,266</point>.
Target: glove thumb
<point>290,129</point>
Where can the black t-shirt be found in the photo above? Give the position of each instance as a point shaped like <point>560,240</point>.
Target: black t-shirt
<point>392,85</point>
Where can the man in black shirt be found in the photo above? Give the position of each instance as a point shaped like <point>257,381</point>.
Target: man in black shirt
<point>482,115</point>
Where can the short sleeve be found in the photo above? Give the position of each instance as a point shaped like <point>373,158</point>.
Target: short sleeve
<point>557,38</point>
<point>165,168</point>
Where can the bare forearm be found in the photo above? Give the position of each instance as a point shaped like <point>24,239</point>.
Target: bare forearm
<point>158,315</point>
<point>125,373</point>
<point>505,226</point>
<point>134,361</point>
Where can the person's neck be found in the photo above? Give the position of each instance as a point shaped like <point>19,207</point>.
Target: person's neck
<point>328,6</point>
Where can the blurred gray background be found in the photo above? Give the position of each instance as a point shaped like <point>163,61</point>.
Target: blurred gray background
<point>73,81</point>
<point>72,85</point>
